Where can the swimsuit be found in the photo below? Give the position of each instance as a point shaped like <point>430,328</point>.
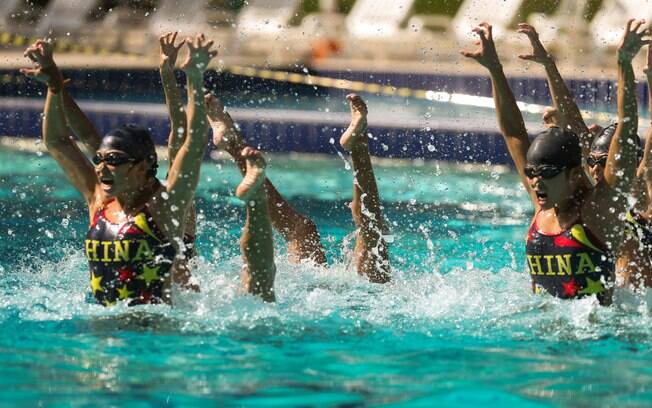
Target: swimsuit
<point>570,264</point>
<point>130,261</point>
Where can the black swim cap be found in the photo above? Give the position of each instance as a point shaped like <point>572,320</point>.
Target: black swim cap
<point>555,146</point>
<point>602,142</point>
<point>134,140</point>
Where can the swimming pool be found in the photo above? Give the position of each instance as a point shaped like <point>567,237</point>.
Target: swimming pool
<point>456,327</point>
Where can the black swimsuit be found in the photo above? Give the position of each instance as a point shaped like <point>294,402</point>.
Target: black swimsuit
<point>129,261</point>
<point>569,264</point>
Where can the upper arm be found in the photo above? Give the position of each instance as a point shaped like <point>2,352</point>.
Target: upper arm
<point>518,147</point>
<point>76,167</point>
<point>176,111</point>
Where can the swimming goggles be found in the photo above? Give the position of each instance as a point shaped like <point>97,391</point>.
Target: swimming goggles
<point>545,171</point>
<point>112,159</point>
<point>595,160</point>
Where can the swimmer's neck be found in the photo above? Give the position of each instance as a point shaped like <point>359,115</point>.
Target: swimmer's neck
<point>133,202</point>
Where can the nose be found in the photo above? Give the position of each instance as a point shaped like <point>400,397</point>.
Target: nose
<point>536,181</point>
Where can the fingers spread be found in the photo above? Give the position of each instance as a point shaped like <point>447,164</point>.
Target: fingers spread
<point>629,24</point>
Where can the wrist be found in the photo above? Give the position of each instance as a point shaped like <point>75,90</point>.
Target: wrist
<point>194,73</point>
<point>495,68</point>
<point>165,64</point>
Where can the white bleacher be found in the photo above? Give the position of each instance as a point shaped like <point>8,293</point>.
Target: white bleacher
<point>263,29</point>
<point>7,7</point>
<point>378,18</point>
<point>265,17</point>
<point>65,16</point>
<point>608,25</point>
<point>501,14</point>
<point>187,17</point>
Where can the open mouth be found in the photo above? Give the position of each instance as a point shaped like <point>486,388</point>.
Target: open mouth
<point>106,182</point>
<point>541,195</point>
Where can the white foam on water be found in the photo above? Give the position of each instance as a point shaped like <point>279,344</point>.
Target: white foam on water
<point>480,303</point>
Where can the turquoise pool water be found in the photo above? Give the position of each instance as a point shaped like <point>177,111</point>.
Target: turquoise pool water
<point>456,327</point>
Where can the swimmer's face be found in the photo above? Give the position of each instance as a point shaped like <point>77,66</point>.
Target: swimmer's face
<point>117,172</point>
<point>551,185</point>
<point>597,163</point>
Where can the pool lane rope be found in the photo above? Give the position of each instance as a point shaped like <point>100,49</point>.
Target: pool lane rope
<point>65,45</point>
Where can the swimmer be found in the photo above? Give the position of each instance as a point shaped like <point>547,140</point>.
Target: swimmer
<point>576,227</point>
<point>634,253</point>
<point>136,224</point>
<point>370,254</point>
<point>299,232</point>
<point>86,132</point>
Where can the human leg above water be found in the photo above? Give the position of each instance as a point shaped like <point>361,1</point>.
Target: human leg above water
<point>299,231</point>
<point>370,254</point>
<point>256,242</point>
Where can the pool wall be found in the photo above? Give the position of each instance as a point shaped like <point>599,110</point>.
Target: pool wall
<point>21,107</point>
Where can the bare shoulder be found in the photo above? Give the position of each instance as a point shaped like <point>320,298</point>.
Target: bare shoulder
<point>602,210</point>
<point>167,215</point>
<point>96,202</point>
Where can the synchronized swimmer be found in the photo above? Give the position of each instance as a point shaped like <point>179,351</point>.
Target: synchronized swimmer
<point>590,187</point>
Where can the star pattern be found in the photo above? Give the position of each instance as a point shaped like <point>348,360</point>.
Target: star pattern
<point>570,288</point>
<point>124,292</point>
<point>96,283</point>
<point>125,274</point>
<point>149,274</point>
<point>592,287</point>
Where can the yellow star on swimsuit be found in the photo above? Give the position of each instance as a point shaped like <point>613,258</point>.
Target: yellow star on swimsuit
<point>592,287</point>
<point>95,283</point>
<point>124,292</point>
<point>108,303</point>
<point>149,274</point>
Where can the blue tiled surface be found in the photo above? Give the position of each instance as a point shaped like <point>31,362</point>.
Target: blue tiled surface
<point>440,144</point>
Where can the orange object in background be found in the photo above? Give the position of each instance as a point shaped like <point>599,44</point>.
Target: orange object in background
<point>325,47</point>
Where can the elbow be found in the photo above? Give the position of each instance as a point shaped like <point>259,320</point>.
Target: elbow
<point>55,141</point>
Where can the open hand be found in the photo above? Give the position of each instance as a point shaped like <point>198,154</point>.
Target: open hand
<point>632,40</point>
<point>169,51</point>
<point>539,53</point>
<point>44,70</point>
<point>199,54</point>
<point>486,53</point>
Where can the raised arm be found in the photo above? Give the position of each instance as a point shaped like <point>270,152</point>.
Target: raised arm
<point>176,111</point>
<point>184,171</point>
<point>621,163</point>
<point>76,120</point>
<point>569,114</point>
<point>509,116</point>
<point>645,168</point>
<point>55,131</point>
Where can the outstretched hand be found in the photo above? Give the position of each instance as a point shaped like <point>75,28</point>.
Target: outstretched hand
<point>169,51</point>
<point>199,54</point>
<point>539,53</point>
<point>486,53</point>
<point>44,70</point>
<point>632,40</point>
